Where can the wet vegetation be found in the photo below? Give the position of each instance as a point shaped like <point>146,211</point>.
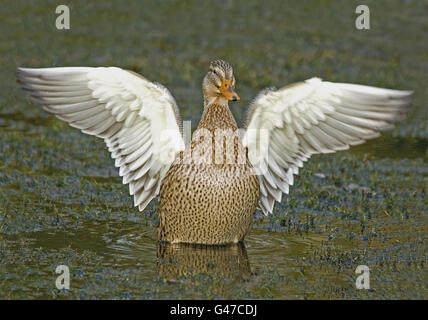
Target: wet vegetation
<point>62,202</point>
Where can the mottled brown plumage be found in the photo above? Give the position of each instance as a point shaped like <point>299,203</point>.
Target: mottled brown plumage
<point>204,198</point>
<point>208,203</point>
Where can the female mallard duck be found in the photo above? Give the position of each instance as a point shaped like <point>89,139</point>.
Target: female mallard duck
<point>210,189</point>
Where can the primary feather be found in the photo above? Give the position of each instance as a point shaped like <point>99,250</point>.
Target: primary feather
<point>285,127</point>
<point>138,119</point>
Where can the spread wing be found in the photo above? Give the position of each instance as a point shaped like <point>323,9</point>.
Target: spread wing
<point>138,119</point>
<point>285,127</point>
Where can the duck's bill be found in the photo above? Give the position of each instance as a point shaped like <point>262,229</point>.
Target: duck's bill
<point>227,90</point>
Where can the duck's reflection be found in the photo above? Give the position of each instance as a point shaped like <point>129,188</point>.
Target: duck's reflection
<point>178,260</point>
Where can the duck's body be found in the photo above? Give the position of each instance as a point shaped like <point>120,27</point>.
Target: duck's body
<point>204,200</point>
<point>210,189</point>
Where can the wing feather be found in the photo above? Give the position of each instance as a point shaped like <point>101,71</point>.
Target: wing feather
<point>313,117</point>
<point>138,119</point>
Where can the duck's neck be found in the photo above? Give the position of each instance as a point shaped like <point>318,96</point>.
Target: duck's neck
<point>217,116</point>
<point>220,100</point>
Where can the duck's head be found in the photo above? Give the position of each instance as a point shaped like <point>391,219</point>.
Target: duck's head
<point>219,83</point>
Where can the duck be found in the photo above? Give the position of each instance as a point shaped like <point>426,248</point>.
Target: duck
<point>210,187</point>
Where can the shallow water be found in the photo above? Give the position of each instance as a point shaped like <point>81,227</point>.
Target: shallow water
<point>62,202</point>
